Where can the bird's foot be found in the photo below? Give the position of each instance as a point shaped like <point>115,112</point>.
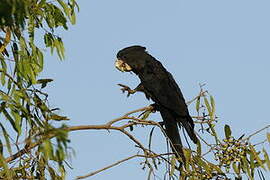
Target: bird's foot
<point>155,107</point>
<point>161,123</point>
<point>126,88</point>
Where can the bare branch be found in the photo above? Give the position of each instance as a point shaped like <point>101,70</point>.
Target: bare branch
<point>202,93</point>
<point>107,167</point>
<point>260,130</point>
<point>119,162</point>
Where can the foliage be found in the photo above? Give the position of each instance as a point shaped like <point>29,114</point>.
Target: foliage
<point>214,158</point>
<point>226,157</point>
<point>27,150</point>
<point>34,141</point>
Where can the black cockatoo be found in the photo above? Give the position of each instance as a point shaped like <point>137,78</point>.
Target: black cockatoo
<point>159,85</point>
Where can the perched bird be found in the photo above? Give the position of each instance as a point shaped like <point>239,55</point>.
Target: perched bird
<point>159,85</point>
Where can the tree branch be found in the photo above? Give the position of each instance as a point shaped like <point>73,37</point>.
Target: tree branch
<point>107,167</point>
<point>260,130</point>
<point>121,161</point>
<point>107,126</point>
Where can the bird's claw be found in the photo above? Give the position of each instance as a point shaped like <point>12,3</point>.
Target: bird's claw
<point>126,88</point>
<point>161,123</point>
<point>155,107</point>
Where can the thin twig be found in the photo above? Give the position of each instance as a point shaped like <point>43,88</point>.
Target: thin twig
<point>202,93</point>
<point>107,167</point>
<point>260,130</point>
<point>121,161</point>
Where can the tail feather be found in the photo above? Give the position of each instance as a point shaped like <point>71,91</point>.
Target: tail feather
<point>188,124</point>
<point>172,132</point>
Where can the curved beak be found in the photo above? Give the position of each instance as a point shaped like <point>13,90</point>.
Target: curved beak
<point>122,66</point>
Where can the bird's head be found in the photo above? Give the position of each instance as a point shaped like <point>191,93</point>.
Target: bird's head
<point>131,59</point>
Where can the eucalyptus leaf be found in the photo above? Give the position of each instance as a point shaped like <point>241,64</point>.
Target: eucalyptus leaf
<point>206,102</point>
<point>227,131</point>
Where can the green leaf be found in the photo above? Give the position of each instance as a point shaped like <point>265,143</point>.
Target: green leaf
<point>6,171</point>
<point>246,167</point>
<point>4,96</point>
<point>198,102</point>
<point>227,131</point>
<point>253,151</point>
<point>266,158</point>
<point>69,10</point>
<point>18,120</point>
<point>213,105</point>
<point>10,119</point>
<point>6,136</point>
<point>252,163</point>
<point>187,155</point>
<point>17,95</point>
<point>173,164</point>
<point>58,118</point>
<point>199,148</point>
<point>9,84</point>
<point>65,7</point>
<point>204,165</point>
<point>3,63</point>
<point>268,137</point>
<point>22,43</point>
<point>60,154</point>
<point>52,172</point>
<point>48,149</point>
<point>48,39</point>
<point>40,59</point>
<point>44,82</point>
<point>208,106</point>
<point>145,115</point>
<point>236,168</point>
<point>206,102</point>
<point>15,51</point>
<point>73,18</point>
<point>3,78</point>
<point>60,48</point>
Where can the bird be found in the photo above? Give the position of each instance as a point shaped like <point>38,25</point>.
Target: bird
<point>158,85</point>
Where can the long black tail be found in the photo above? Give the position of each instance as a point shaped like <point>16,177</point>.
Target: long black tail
<point>188,124</point>
<point>172,132</point>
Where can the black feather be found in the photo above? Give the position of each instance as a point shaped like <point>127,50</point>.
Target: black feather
<point>161,87</point>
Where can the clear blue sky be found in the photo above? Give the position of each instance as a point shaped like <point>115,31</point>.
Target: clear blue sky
<point>224,44</point>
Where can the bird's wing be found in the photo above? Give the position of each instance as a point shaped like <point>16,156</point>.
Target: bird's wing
<point>163,89</point>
